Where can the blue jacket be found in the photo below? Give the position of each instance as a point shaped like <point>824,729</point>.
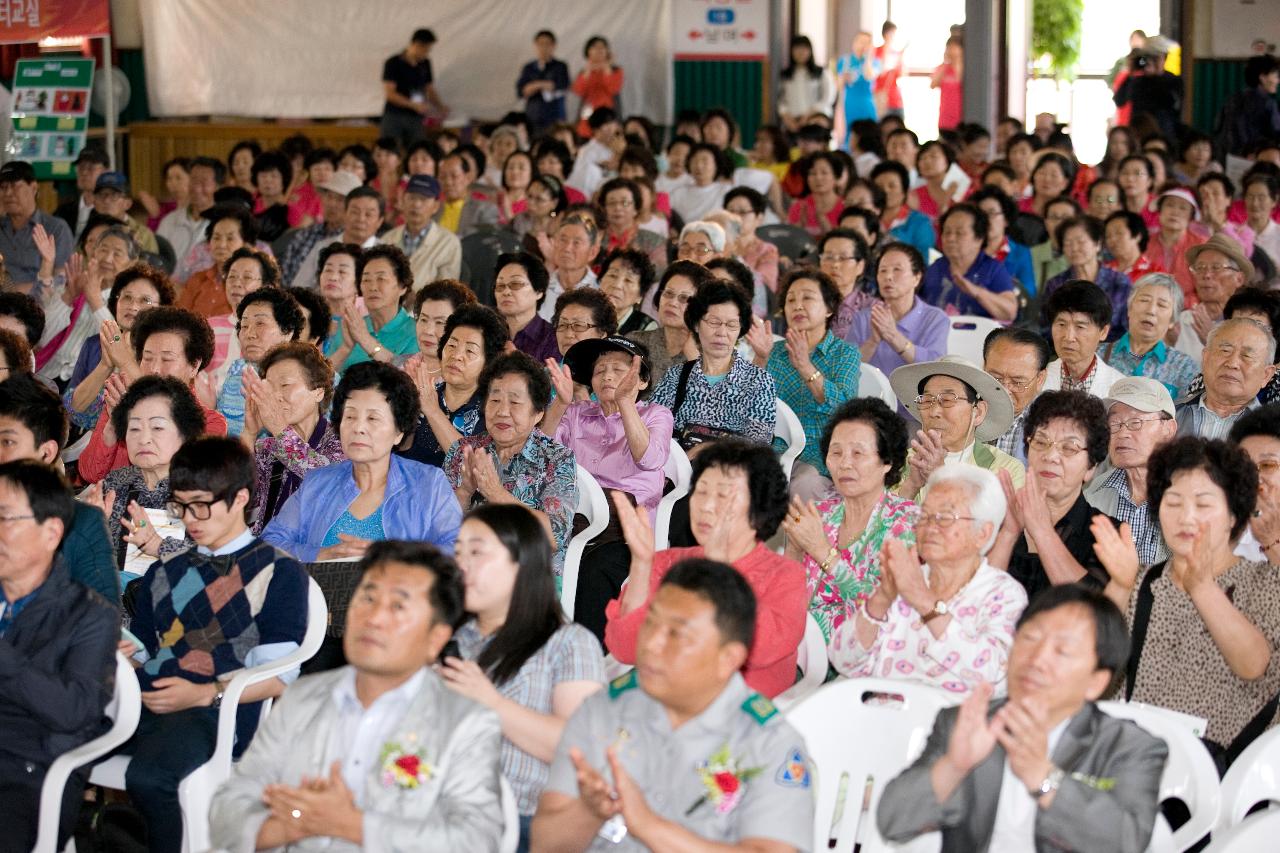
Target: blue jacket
<point>418,506</point>
<point>1019,266</point>
<point>86,548</point>
<point>916,231</point>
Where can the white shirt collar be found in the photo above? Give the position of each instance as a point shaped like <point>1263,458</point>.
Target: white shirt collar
<point>231,547</point>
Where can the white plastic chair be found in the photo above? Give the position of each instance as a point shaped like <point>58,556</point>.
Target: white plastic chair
<point>195,792</point>
<point>680,472</point>
<point>788,428</point>
<point>1189,774</point>
<point>967,335</point>
<point>593,504</point>
<point>811,657</point>
<point>510,817</point>
<point>123,710</point>
<point>873,383</point>
<point>900,732</point>
<point>1257,834</point>
<point>1253,778</point>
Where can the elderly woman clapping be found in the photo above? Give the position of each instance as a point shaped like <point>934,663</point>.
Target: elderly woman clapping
<point>948,622</point>
<point>1155,303</point>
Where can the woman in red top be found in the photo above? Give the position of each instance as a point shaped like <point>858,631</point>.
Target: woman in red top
<point>599,84</point>
<point>819,211</point>
<point>1126,238</point>
<point>932,198</point>
<point>738,499</point>
<point>949,78</point>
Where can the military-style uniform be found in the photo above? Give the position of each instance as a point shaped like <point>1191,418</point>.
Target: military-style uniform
<point>689,775</point>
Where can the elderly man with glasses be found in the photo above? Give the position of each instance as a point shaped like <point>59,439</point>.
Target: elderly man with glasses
<point>1017,359</point>
<point>1140,416</point>
<point>1239,361</point>
<point>1219,267</point>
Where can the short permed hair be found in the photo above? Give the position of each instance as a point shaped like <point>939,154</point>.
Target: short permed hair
<point>391,382</point>
<point>1085,409</point>
<point>493,329</point>
<point>197,337</point>
<point>1229,467</point>
<point>284,309</point>
<point>698,275</point>
<point>826,286</point>
<point>519,364</point>
<point>26,311</point>
<point>318,370</point>
<point>267,266</point>
<point>317,310</point>
<point>766,483</point>
<point>717,292</point>
<point>395,256</point>
<point>636,261</point>
<point>603,314</point>
<point>156,278</point>
<point>187,414</point>
<point>892,441</point>
<point>17,352</point>
<point>448,290</point>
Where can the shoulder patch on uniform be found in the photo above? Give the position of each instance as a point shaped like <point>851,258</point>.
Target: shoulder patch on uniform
<point>759,708</point>
<point>794,772</point>
<point>622,684</point>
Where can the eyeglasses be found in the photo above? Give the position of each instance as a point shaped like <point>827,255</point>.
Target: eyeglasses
<point>576,328</point>
<point>678,298</point>
<point>1068,447</point>
<point>836,259</point>
<point>717,325</point>
<point>619,205</point>
<point>509,286</point>
<point>1013,383</point>
<point>947,399</point>
<point>1267,466</point>
<point>244,279</point>
<point>200,510</point>
<point>942,519</point>
<point>1131,424</point>
<point>690,249</point>
<point>1213,269</point>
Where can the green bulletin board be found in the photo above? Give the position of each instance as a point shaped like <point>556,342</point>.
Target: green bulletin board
<point>50,113</point>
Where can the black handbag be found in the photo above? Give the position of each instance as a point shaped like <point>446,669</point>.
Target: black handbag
<point>692,434</point>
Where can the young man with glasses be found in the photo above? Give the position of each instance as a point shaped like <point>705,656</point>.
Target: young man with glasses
<point>202,615</point>
<point>1139,419</point>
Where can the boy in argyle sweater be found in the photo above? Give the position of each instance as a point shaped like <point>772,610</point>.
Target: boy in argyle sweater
<point>203,614</point>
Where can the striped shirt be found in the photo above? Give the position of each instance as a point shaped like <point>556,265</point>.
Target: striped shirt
<point>571,654</point>
<point>744,402</point>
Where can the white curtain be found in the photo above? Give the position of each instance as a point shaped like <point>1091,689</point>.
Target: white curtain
<point>323,58</point>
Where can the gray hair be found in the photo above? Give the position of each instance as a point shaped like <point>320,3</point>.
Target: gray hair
<point>121,233</point>
<point>711,230</point>
<point>986,496</point>
<point>1160,279</point>
<point>1251,323</point>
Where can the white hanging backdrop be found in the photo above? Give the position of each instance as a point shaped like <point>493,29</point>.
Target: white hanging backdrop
<point>323,58</point>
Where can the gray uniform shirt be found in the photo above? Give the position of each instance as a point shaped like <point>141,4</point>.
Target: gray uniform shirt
<point>776,794</point>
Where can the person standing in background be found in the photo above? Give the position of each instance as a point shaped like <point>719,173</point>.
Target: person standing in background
<point>888,97</point>
<point>543,82</point>
<point>949,78</point>
<point>410,91</point>
<point>598,84</point>
<point>856,71</point>
<point>806,88</point>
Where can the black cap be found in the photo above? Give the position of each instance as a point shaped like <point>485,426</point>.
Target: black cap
<point>581,357</point>
<point>17,170</point>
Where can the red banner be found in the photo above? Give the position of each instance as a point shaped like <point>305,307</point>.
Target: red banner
<point>32,20</point>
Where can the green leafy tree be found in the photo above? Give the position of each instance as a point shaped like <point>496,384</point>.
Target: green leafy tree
<point>1055,34</point>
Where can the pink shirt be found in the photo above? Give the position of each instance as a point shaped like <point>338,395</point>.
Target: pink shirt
<point>782,600</point>
<point>599,444</point>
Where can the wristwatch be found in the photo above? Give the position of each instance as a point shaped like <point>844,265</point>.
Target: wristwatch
<point>1051,782</point>
<point>217,697</point>
<point>940,608</point>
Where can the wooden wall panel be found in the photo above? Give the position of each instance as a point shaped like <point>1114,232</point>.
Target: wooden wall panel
<point>151,144</point>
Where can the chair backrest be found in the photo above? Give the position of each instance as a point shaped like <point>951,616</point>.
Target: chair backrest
<point>788,428</point>
<point>480,255</point>
<point>873,383</point>
<point>967,335</point>
<point>594,506</point>
<point>844,764</point>
<point>1189,774</point>
<point>123,710</point>
<point>811,658</point>
<point>1257,834</point>
<point>679,471</point>
<point>1253,778</point>
<point>793,242</point>
<point>510,817</point>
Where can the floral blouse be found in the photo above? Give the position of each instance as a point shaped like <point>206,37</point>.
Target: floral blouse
<point>973,648</point>
<point>834,596</point>
<point>542,476</point>
<point>280,462</point>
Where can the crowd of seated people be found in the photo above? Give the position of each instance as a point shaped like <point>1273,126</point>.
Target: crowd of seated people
<point>313,382</point>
